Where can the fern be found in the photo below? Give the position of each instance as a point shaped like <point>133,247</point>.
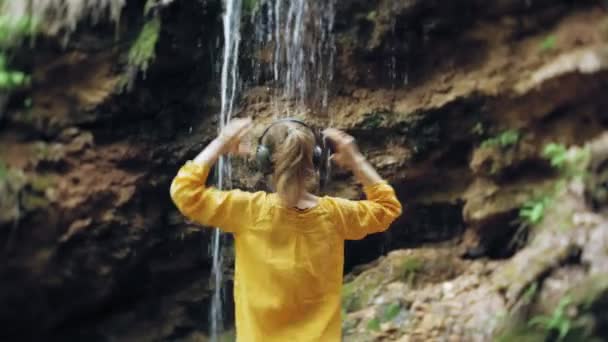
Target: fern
<point>503,140</point>
<point>557,154</point>
<point>533,211</point>
<point>142,53</point>
<point>571,163</point>
<point>558,321</point>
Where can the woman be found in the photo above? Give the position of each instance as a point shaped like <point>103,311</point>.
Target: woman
<point>289,244</point>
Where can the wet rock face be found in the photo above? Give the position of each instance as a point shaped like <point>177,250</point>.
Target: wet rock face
<point>87,228</point>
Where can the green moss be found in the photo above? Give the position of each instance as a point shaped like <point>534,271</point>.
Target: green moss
<point>250,6</point>
<point>42,182</point>
<point>373,120</point>
<point>143,51</point>
<point>522,334</point>
<point>352,299</point>
<point>391,312</point>
<point>12,30</point>
<point>373,324</point>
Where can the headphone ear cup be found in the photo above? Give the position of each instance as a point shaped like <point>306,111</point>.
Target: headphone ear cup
<point>262,157</point>
<point>317,155</point>
<point>324,166</point>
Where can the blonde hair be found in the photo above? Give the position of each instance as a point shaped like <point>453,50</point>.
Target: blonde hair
<point>292,157</point>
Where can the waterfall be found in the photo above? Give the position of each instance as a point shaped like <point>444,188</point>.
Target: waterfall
<point>299,34</point>
<point>229,86</point>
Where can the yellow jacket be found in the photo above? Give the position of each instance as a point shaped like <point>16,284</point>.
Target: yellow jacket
<point>288,269</point>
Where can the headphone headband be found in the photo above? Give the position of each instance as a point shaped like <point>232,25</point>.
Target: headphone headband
<point>320,153</point>
<point>294,120</point>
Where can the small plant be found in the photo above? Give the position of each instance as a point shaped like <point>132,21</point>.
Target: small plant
<point>558,322</point>
<point>250,6</point>
<point>409,268</point>
<point>530,293</point>
<point>478,129</point>
<point>533,211</point>
<point>10,79</point>
<point>142,53</point>
<point>571,163</point>
<point>503,140</point>
<point>557,154</point>
<point>371,16</point>
<point>373,324</point>
<point>391,312</point>
<point>373,120</point>
<point>548,44</point>
<point>12,30</point>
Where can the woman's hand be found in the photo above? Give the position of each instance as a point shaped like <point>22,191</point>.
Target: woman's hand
<point>229,141</point>
<point>347,153</point>
<point>231,135</point>
<point>348,156</point>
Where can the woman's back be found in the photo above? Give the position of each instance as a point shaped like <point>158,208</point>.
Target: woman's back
<point>289,262</point>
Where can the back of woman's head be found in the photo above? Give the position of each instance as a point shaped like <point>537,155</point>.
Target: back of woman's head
<point>292,147</point>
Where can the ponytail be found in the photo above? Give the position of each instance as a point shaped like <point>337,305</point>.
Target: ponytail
<point>293,161</point>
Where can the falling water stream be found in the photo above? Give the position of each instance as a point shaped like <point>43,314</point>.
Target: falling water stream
<point>302,68</point>
<point>229,86</point>
<point>299,34</point>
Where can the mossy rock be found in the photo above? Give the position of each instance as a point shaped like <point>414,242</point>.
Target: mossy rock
<point>34,201</point>
<point>41,183</point>
<point>522,334</point>
<point>592,292</point>
<point>374,120</point>
<point>359,292</point>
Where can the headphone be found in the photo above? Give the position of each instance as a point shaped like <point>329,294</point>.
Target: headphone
<point>320,154</point>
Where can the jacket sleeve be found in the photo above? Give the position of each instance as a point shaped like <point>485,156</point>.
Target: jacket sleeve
<point>231,211</point>
<point>356,219</point>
